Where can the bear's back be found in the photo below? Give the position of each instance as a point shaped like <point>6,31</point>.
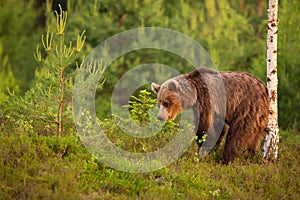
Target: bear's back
<point>244,93</point>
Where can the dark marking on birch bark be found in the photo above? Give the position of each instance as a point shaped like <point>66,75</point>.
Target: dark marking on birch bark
<point>273,95</point>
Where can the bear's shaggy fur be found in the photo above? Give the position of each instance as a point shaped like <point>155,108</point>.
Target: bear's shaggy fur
<point>245,110</point>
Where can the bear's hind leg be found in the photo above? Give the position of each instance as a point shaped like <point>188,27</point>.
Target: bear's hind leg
<point>243,135</point>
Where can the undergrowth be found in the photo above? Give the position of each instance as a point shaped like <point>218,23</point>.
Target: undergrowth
<point>48,167</point>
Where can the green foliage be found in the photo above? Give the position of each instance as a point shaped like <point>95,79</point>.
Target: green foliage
<point>8,81</point>
<point>19,32</point>
<point>288,64</point>
<point>141,115</point>
<point>3,109</point>
<point>140,106</point>
<point>218,27</point>
<point>39,167</point>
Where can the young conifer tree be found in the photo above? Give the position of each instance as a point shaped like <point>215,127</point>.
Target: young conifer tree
<point>270,149</point>
<point>60,56</point>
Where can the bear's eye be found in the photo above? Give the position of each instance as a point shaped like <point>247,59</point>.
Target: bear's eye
<point>165,104</point>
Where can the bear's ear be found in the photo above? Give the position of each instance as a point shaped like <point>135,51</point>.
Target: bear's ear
<point>173,85</point>
<point>155,87</point>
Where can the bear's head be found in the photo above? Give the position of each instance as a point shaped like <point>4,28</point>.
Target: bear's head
<point>173,96</point>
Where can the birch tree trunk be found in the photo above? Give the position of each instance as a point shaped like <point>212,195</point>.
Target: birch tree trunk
<point>270,149</point>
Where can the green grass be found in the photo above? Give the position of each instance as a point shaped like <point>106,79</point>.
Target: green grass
<point>47,167</point>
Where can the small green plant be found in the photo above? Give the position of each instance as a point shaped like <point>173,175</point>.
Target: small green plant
<point>139,107</point>
<point>143,132</point>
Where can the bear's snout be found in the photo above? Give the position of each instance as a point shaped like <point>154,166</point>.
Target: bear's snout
<point>162,115</point>
<point>160,118</point>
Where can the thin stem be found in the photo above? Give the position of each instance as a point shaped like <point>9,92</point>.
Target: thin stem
<point>62,87</point>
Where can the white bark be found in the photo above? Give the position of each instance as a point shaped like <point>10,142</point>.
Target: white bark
<point>270,149</point>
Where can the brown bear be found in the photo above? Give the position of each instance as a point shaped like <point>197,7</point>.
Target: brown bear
<point>239,97</point>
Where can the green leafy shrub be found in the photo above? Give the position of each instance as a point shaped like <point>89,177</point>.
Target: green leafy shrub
<point>139,107</point>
